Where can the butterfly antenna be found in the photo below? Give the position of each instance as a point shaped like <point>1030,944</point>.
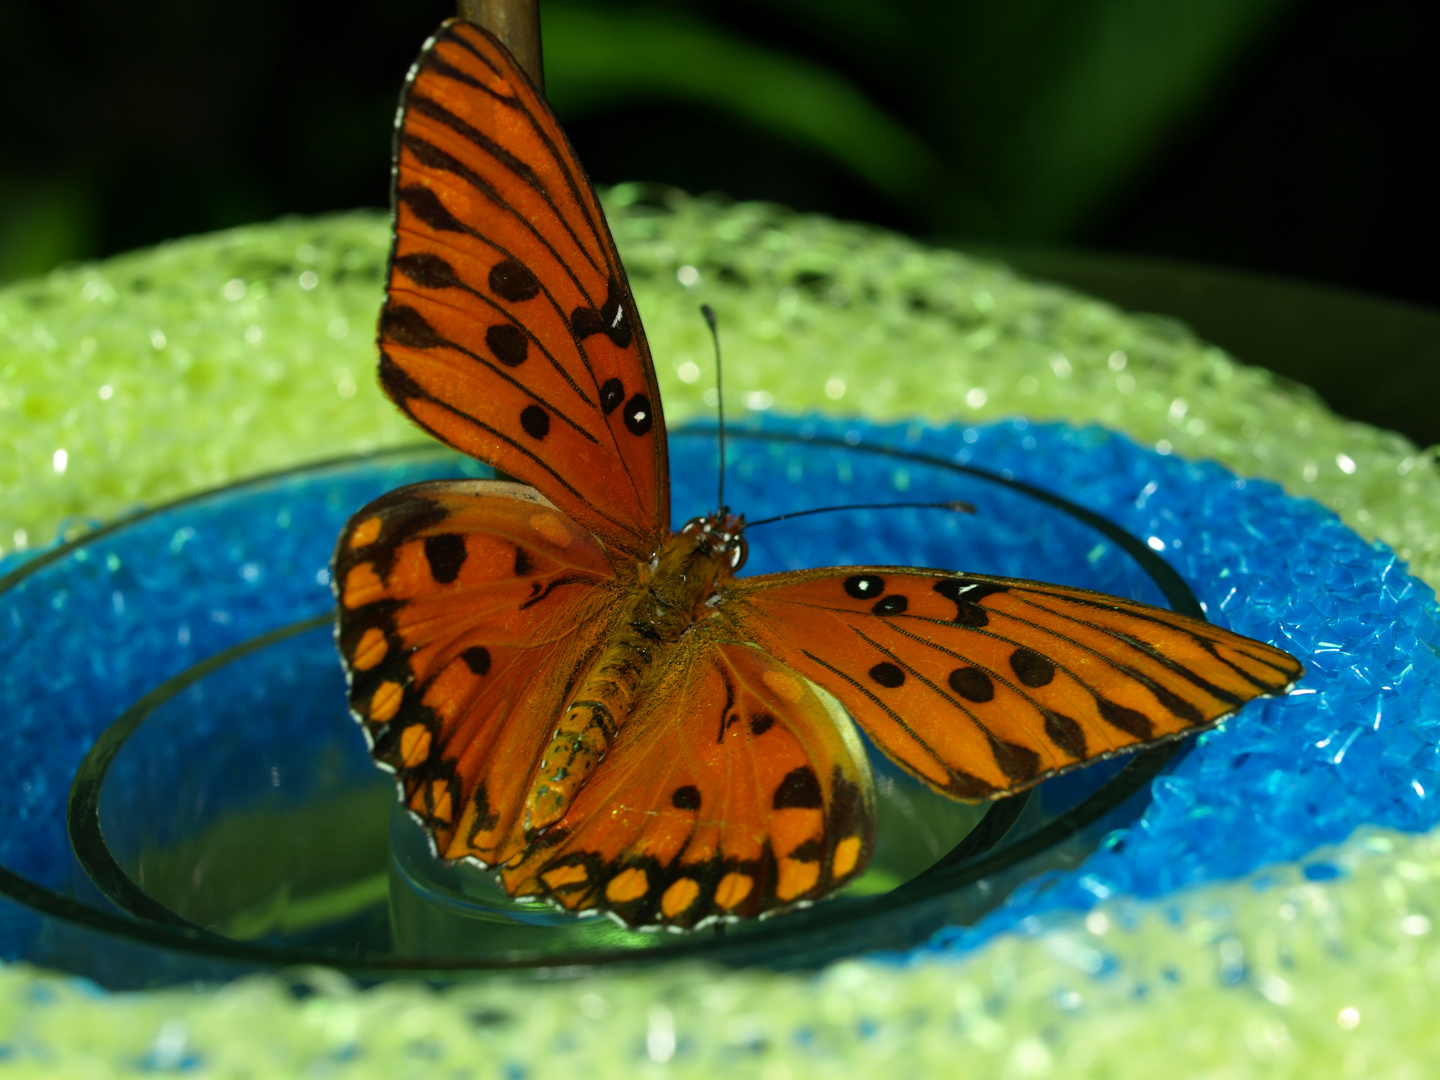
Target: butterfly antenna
<point>710,321</point>
<point>956,506</point>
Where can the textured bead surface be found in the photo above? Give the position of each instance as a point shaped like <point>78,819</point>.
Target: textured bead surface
<point>1287,973</point>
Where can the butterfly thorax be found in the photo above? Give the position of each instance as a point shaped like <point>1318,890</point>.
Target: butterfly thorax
<point>679,588</point>
<point>695,563</point>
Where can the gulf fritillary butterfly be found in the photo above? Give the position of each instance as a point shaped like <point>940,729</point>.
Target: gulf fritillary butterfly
<point>601,709</point>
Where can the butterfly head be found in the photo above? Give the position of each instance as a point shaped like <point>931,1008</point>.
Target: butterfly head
<point>719,536</point>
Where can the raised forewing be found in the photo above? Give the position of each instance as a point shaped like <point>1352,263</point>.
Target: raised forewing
<point>509,330</point>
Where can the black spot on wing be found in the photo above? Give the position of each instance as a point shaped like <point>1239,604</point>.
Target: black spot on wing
<point>972,684</point>
<point>1018,763</point>
<point>864,586</point>
<point>639,418</point>
<point>971,615</point>
<point>968,589</point>
<point>407,327</point>
<point>617,320</point>
<point>963,785</point>
<point>586,322</point>
<point>485,816</point>
<point>611,319</point>
<point>428,271</point>
<point>960,784</point>
<point>508,344</point>
<point>849,813</point>
<point>523,563</point>
<point>446,555</point>
<point>426,206</point>
<point>477,659</point>
<point>686,798</point>
<point>799,790</point>
<point>1031,668</point>
<point>808,851</point>
<point>512,280</point>
<point>887,675</point>
<point>895,604</point>
<point>535,421</point>
<point>1066,734</point>
<point>1126,719</point>
<point>612,393</point>
<point>966,594</point>
<point>761,723</point>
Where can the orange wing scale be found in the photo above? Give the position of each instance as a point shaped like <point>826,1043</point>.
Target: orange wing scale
<point>735,789</point>
<point>509,331</point>
<point>466,609</point>
<point>983,686</point>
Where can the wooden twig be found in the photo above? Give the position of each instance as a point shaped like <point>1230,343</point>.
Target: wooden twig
<point>517,24</point>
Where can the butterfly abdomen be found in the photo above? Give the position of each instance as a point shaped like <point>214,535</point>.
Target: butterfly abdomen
<point>675,587</point>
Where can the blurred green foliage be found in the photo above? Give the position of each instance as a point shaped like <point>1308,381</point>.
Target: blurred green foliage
<point>42,224</point>
<point>1018,120</point>
<point>599,56</point>
<point>1021,121</point>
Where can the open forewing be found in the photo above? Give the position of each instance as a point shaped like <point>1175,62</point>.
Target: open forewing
<point>982,686</point>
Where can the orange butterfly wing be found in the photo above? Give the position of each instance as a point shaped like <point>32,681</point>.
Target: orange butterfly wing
<point>466,609</point>
<point>509,330</point>
<point>733,790</point>
<point>981,686</point>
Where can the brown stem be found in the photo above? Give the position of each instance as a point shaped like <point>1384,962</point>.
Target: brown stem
<point>517,24</point>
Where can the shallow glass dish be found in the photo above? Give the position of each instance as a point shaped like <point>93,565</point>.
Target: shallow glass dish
<point>187,796</point>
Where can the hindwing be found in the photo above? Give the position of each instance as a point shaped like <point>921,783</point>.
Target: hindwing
<point>735,789</point>
<point>467,610</point>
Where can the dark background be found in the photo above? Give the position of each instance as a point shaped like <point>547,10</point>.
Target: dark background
<point>1282,136</point>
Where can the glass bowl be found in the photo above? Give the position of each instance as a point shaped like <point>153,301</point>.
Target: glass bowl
<point>188,797</point>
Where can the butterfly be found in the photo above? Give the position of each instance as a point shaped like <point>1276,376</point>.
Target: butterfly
<point>599,708</point>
